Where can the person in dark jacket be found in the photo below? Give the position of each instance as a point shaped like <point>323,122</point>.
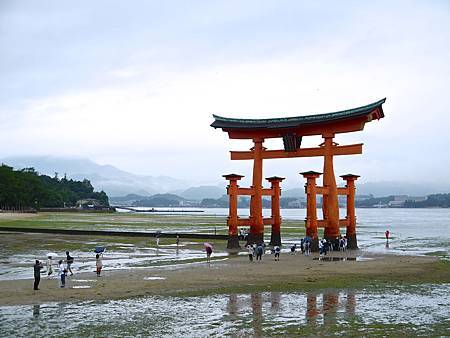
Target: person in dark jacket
<point>37,274</point>
<point>69,261</point>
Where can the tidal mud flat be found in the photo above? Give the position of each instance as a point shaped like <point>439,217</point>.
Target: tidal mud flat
<point>388,311</point>
<point>232,274</point>
<point>297,296</point>
<point>170,290</point>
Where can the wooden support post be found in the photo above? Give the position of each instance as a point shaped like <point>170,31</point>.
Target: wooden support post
<point>232,221</point>
<point>275,237</point>
<point>330,204</point>
<point>351,217</point>
<point>256,234</point>
<point>311,208</point>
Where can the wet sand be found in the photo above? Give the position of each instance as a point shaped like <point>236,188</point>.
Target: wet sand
<point>15,215</point>
<point>236,274</point>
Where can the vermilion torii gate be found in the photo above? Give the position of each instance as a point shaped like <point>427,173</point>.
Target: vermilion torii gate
<point>292,130</point>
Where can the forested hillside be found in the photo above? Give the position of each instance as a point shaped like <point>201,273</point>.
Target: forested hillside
<point>25,188</point>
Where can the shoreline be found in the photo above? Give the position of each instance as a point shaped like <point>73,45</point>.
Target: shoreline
<point>293,273</point>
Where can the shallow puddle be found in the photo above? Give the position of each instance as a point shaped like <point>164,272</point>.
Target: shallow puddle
<point>81,287</point>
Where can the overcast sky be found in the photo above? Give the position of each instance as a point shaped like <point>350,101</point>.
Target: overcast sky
<point>135,83</point>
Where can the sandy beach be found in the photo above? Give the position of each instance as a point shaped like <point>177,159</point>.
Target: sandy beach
<point>236,274</point>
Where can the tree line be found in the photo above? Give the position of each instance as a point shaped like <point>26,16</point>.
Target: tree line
<point>27,189</point>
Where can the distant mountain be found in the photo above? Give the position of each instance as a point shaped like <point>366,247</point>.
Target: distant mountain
<point>160,200</point>
<point>379,189</point>
<point>295,193</point>
<point>126,200</point>
<point>116,182</point>
<point>388,188</point>
<point>113,181</point>
<point>199,193</point>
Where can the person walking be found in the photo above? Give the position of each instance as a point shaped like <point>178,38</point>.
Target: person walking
<point>69,261</point>
<point>49,266</point>
<point>277,253</point>
<point>208,253</point>
<point>98,263</point>
<point>387,233</point>
<point>37,274</point>
<point>178,240</point>
<point>259,251</point>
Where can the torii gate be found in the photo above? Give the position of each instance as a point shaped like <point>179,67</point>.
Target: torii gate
<point>292,130</point>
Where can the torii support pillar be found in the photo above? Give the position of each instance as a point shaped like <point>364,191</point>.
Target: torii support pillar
<point>256,234</point>
<point>275,238</point>
<point>311,207</point>
<point>351,217</point>
<point>232,221</point>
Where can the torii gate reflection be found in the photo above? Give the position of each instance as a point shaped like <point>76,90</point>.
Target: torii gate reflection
<point>292,130</point>
<point>330,304</point>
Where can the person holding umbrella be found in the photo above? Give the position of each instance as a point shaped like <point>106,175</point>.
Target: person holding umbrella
<point>99,250</point>
<point>209,250</point>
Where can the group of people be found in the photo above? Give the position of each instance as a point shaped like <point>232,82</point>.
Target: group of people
<point>63,268</point>
<point>339,245</point>
<point>255,251</point>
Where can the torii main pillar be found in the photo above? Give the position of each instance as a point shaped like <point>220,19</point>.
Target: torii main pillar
<point>330,205</point>
<point>256,234</point>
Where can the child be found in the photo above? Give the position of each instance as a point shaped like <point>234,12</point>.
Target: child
<point>61,274</point>
<point>63,278</point>
<point>277,253</point>
<point>293,248</point>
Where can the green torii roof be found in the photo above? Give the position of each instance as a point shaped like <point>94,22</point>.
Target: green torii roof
<point>287,122</point>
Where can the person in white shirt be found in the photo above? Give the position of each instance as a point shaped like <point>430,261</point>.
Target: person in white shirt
<point>61,274</point>
<point>98,264</point>
<point>250,252</point>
